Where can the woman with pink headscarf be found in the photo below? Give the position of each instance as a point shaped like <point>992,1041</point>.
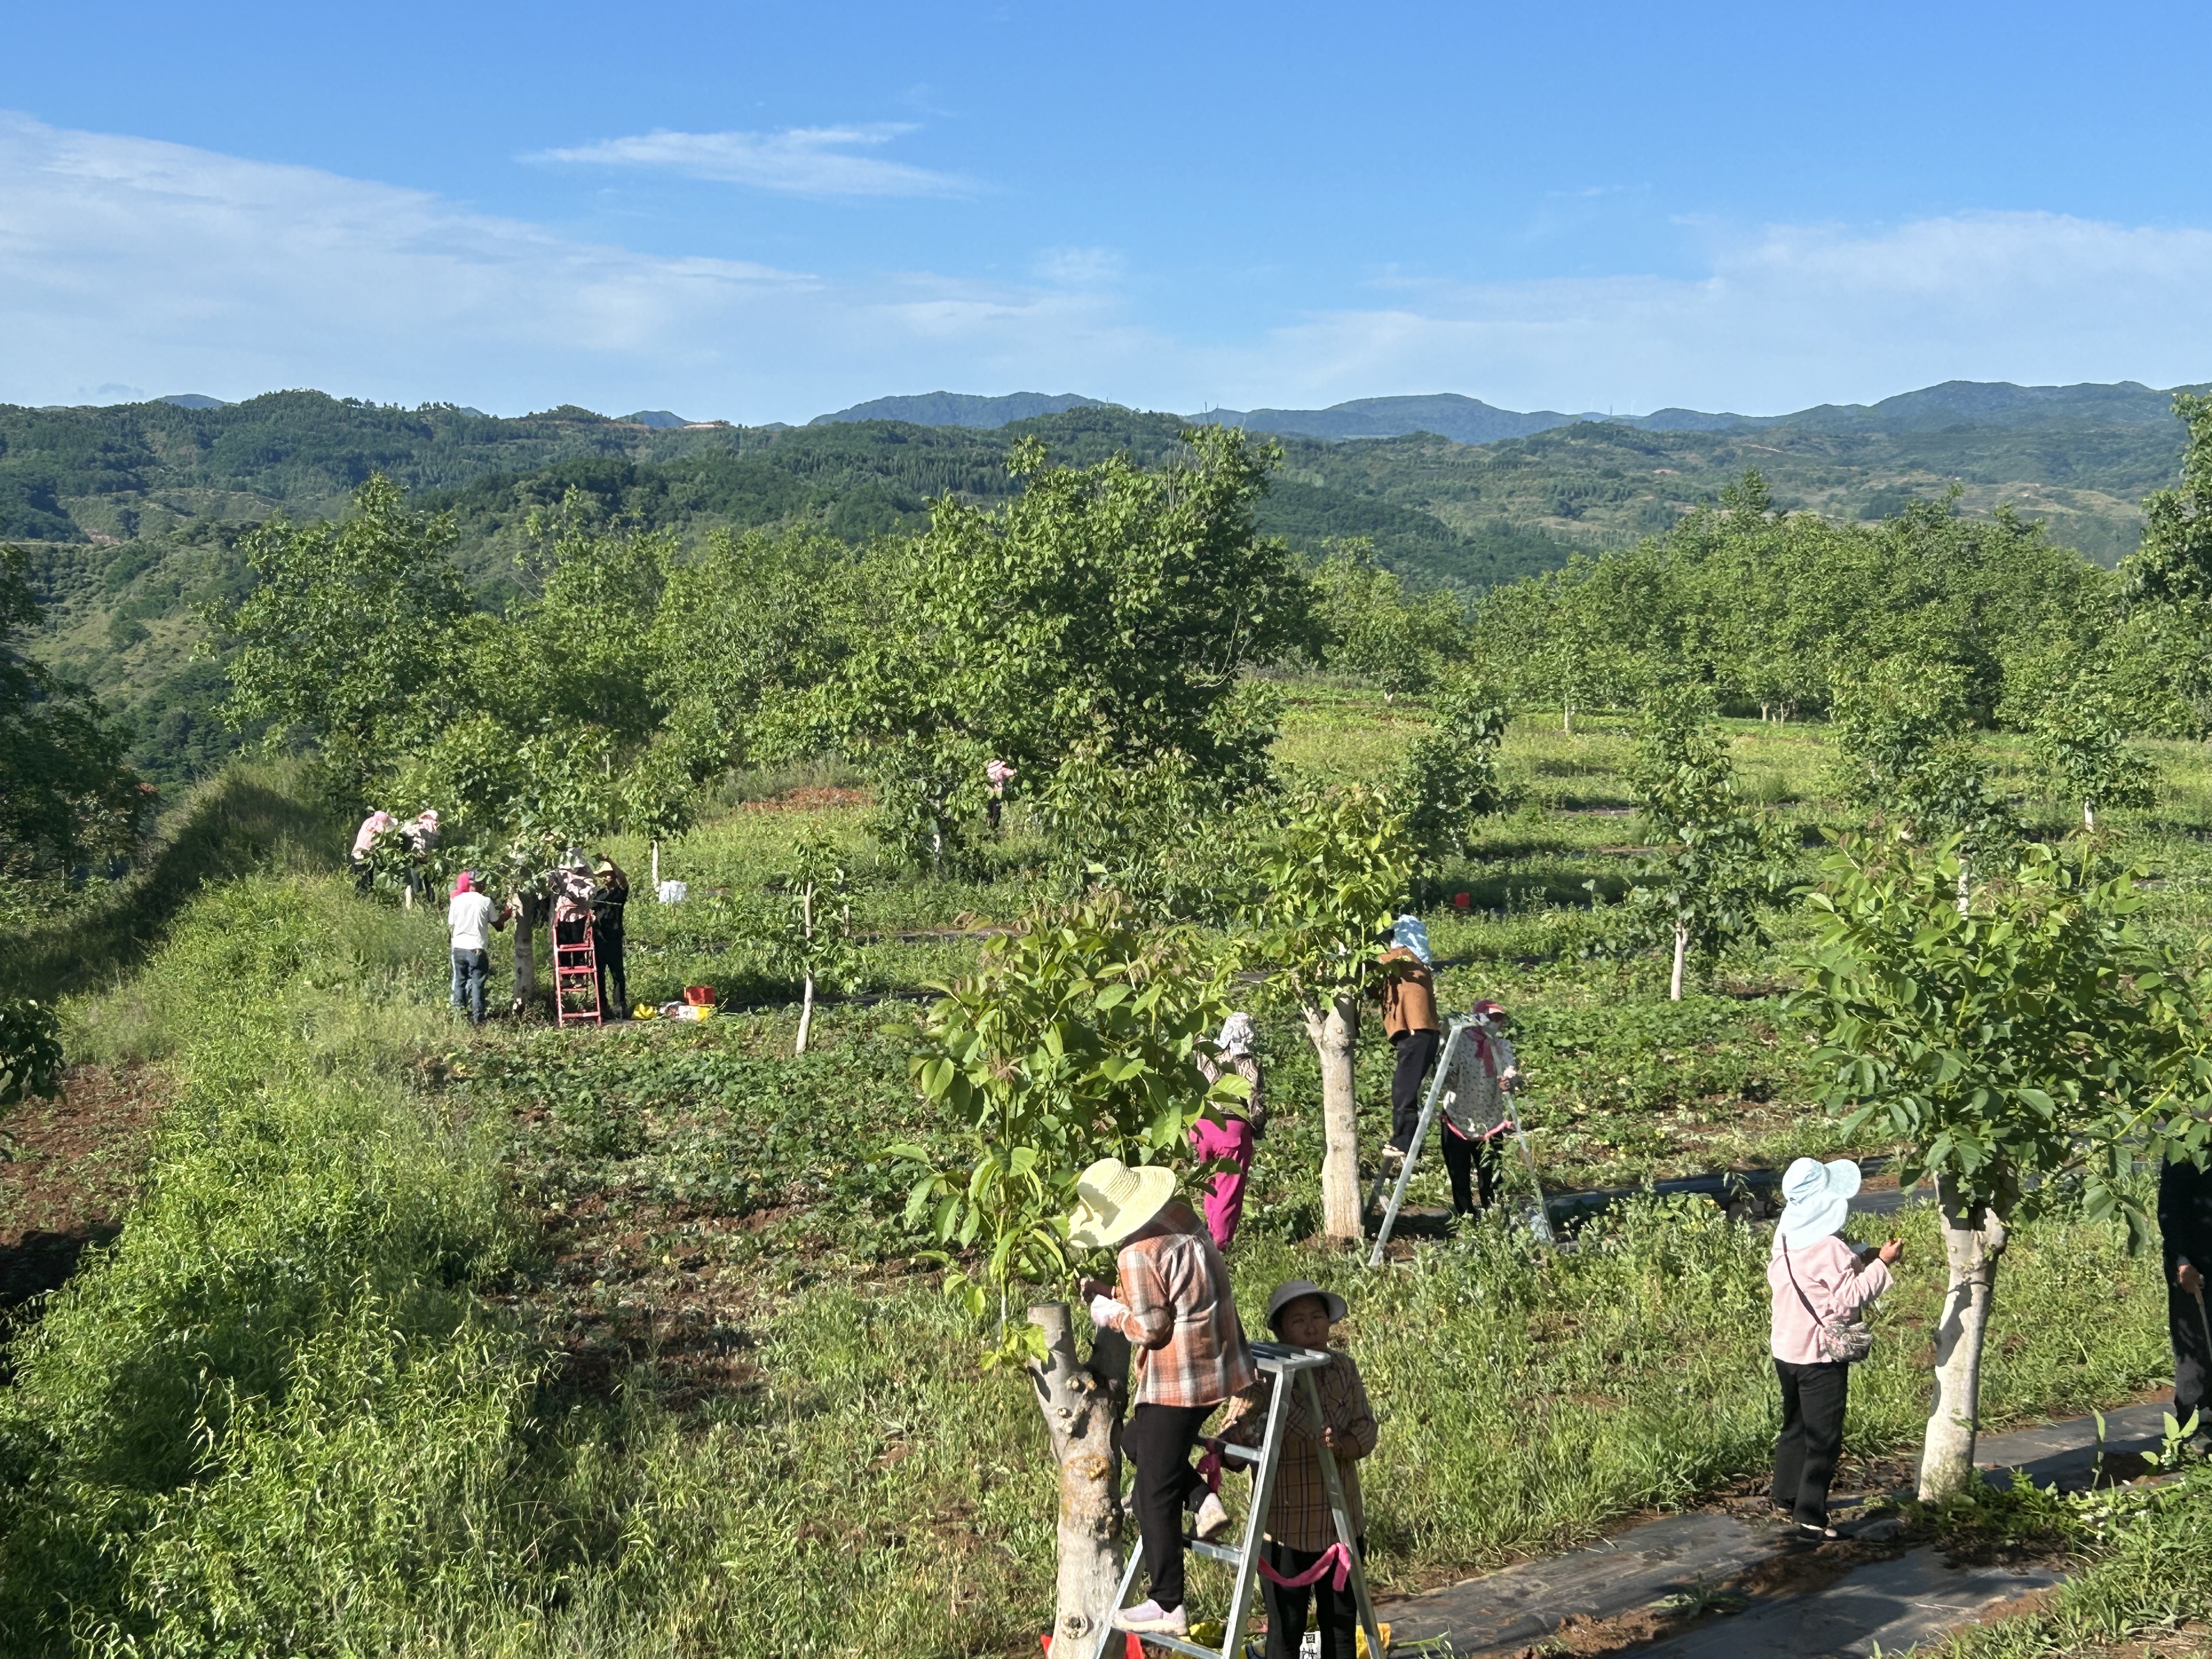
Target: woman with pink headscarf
<point>1235,1137</point>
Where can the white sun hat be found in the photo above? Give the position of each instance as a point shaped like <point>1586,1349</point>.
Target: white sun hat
<point>1113,1200</point>
<point>1819,1196</point>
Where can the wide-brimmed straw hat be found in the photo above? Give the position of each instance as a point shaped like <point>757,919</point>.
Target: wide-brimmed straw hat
<point>1113,1200</point>
<point>1819,1196</point>
<point>1296,1290</point>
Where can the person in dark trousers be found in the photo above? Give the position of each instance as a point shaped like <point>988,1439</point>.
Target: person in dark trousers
<point>610,900</point>
<point>1408,991</point>
<point>469,920</point>
<point>1300,1526</point>
<point>1476,1110</point>
<point>2184,1226</point>
<point>1820,1285</point>
<point>1173,1300</point>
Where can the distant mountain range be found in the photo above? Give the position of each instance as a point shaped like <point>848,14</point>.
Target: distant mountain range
<point>1470,421</point>
<point>960,409</point>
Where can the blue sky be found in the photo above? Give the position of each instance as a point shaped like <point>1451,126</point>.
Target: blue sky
<point>762,212</point>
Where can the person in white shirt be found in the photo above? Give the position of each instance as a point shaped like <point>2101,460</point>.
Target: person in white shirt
<point>471,920</point>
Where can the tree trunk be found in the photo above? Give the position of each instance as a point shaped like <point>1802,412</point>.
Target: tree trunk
<point>2089,817</point>
<point>1082,1402</point>
<point>1972,1245</point>
<point>1567,717</point>
<point>656,870</point>
<point>1963,883</point>
<point>1334,1033</point>
<point>806,1015</point>
<point>806,932</point>
<point>1681,950</point>
<point>525,952</point>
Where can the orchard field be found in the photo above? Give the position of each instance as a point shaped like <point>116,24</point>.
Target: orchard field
<point>612,1341</point>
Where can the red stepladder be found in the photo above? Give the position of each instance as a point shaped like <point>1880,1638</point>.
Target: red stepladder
<point>576,966</point>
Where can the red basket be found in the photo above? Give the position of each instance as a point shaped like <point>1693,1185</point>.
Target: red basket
<point>699,996</point>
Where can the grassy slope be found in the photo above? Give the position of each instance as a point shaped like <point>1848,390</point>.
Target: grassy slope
<point>547,1343</point>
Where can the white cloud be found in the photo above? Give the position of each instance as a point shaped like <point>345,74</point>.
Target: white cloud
<point>129,263</point>
<point>135,261</point>
<point>803,161</point>
<point>1787,318</point>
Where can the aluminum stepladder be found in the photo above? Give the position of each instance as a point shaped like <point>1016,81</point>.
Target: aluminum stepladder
<point>1290,1367</point>
<point>576,969</point>
<point>1540,1221</point>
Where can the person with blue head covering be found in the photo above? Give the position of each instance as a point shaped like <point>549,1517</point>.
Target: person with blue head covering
<point>1821,1288</point>
<point>1408,991</point>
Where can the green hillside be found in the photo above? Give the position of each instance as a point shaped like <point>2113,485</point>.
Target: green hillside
<point>132,513</point>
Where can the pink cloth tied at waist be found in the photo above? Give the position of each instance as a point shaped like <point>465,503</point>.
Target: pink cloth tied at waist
<point>1335,1564</point>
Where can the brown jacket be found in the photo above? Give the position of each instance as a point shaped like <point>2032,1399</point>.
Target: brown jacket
<point>1409,993</point>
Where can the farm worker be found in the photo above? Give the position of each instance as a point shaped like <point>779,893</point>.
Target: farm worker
<point>2185,1226</point>
<point>1300,1531</point>
<point>1476,1108</point>
<point>1236,1050</point>
<point>419,835</point>
<point>1821,1286</point>
<point>1409,1016</point>
<point>611,897</point>
<point>1173,1300</point>
<point>365,837</point>
<point>469,919</point>
<point>998,774</point>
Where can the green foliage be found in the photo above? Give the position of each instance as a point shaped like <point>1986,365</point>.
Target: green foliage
<point>1904,742</point>
<point>1331,879</point>
<point>1449,778</point>
<point>2174,564</point>
<point>1376,632</point>
<point>65,795</point>
<point>1071,1041</point>
<point>2080,736</point>
<point>1104,606</point>
<point>1718,865</point>
<point>2038,1033</point>
<point>349,634</point>
<point>30,1050</point>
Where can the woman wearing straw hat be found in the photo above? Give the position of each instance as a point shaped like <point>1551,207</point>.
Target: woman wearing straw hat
<point>1174,1302</point>
<point>1821,1288</point>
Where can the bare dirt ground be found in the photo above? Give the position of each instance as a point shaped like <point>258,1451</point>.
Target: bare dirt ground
<point>72,1166</point>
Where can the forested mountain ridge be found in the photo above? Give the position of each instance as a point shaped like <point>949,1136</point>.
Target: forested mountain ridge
<point>132,513</point>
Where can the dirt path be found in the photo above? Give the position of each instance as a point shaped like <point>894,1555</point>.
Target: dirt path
<point>73,1166</point>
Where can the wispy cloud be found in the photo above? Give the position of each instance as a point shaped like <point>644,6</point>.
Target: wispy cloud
<point>801,161</point>
<point>126,262</point>
<point>1783,317</point>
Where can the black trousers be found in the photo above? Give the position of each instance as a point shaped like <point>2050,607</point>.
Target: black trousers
<point>607,950</point>
<point>1158,1441</point>
<point>1472,1166</point>
<point>1811,1438</point>
<point>1417,1052</point>
<point>2192,1357</point>
<point>1335,1614</point>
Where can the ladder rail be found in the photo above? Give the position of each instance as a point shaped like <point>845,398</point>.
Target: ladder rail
<point>1429,1109</point>
<point>1334,1483</point>
<point>1287,1366</point>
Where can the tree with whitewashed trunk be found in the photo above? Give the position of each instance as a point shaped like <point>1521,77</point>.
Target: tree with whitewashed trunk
<point>1331,883</point>
<point>2039,1037</point>
<point>810,929</point>
<point>1073,1040</point>
<point>2080,739</point>
<point>1717,865</point>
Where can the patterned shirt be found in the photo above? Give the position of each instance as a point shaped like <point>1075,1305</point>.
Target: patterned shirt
<point>1483,1069</point>
<point>1183,1316</point>
<point>1300,1516</point>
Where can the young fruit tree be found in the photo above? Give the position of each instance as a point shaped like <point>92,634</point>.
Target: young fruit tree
<point>810,930</point>
<point>1902,735</point>
<point>1718,863</point>
<point>2040,1036</point>
<point>2082,741</point>
<point>1072,1041</point>
<point>1448,777</point>
<point>1331,881</point>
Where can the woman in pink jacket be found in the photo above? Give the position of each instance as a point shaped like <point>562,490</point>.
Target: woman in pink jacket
<point>1822,1285</point>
